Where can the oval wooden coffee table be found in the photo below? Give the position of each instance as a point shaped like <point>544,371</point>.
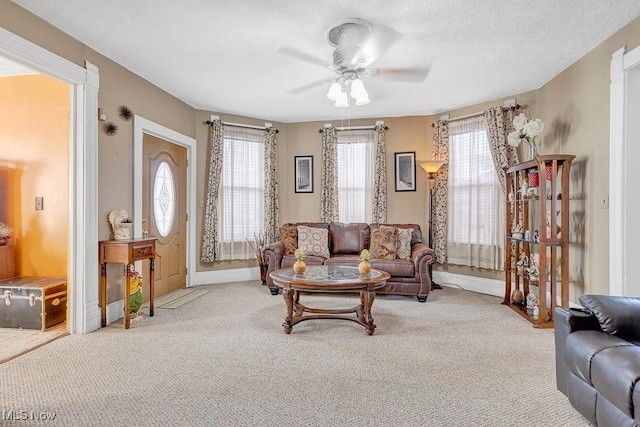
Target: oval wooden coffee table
<point>329,279</point>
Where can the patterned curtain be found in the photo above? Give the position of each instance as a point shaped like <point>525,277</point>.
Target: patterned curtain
<point>210,233</point>
<point>379,210</point>
<point>271,210</point>
<point>329,195</point>
<point>440,191</point>
<point>499,124</point>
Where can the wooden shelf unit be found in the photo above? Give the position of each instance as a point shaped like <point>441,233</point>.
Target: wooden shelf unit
<point>552,249</point>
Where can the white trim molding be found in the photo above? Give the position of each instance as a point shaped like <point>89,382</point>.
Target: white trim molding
<point>621,171</point>
<point>140,127</point>
<point>82,269</point>
<point>470,283</point>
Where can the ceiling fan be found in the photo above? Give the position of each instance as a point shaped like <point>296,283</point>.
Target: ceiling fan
<point>358,44</point>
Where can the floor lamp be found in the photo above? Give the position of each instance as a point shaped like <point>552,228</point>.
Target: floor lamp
<point>431,167</point>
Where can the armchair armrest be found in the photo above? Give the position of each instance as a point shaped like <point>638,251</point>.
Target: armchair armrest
<point>273,253</point>
<point>566,321</point>
<point>422,257</point>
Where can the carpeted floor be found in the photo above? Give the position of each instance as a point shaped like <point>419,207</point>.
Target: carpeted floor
<point>461,359</point>
<point>16,342</point>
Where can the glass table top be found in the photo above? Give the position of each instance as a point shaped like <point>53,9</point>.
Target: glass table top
<point>320,273</point>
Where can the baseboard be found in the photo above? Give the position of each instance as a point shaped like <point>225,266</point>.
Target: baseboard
<point>92,318</point>
<point>475,284</point>
<point>115,311</point>
<point>226,276</point>
<point>470,283</point>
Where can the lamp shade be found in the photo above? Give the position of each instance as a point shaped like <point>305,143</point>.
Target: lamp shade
<point>343,100</point>
<point>357,88</point>
<point>432,166</point>
<point>334,91</point>
<point>363,99</point>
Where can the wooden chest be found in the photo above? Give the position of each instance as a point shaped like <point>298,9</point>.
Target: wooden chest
<point>33,302</point>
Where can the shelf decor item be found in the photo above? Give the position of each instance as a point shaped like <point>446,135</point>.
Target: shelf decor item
<point>517,232</point>
<point>526,130</point>
<point>299,266</point>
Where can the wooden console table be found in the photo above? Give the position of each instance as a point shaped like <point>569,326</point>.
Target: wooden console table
<point>125,252</point>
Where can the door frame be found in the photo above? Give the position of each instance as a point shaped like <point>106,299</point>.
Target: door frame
<point>140,127</point>
<point>621,174</point>
<point>82,266</point>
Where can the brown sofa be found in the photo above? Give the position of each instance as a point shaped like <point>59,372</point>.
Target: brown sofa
<point>346,241</point>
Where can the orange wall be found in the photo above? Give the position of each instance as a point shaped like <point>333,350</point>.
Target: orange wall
<point>34,153</point>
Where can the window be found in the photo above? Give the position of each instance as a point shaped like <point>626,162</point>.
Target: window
<point>474,222</point>
<point>356,160</point>
<point>242,191</point>
<point>164,199</point>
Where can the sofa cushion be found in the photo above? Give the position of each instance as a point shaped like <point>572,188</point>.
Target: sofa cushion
<point>347,260</point>
<point>582,346</point>
<point>289,260</point>
<point>617,315</point>
<point>395,267</point>
<point>404,243</point>
<point>614,373</point>
<point>384,242</point>
<point>348,238</point>
<point>313,241</point>
<point>289,238</point>
<point>416,236</point>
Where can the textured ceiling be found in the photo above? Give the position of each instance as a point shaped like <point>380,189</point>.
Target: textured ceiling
<point>227,55</point>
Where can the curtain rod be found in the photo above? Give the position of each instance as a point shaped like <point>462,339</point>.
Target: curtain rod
<point>240,125</point>
<point>479,113</point>
<point>343,128</point>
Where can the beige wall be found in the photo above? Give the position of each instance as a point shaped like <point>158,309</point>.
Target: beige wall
<point>34,161</point>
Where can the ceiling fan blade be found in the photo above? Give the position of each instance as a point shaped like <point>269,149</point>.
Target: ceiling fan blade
<point>380,41</point>
<point>303,56</point>
<point>409,75</point>
<point>311,86</point>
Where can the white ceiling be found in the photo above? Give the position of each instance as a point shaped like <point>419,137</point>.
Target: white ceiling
<point>225,55</point>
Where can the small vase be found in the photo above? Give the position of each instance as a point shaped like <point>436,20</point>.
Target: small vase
<point>534,179</point>
<point>3,241</point>
<point>517,297</point>
<point>533,150</point>
<point>299,267</point>
<point>364,267</point>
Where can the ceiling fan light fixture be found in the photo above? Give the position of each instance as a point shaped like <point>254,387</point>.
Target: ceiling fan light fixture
<point>343,100</point>
<point>363,98</point>
<point>357,88</point>
<point>334,91</point>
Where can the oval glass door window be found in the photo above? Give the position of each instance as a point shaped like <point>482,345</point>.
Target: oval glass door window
<point>164,199</point>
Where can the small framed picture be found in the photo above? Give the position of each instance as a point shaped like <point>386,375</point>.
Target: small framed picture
<point>405,167</point>
<point>303,174</point>
<point>527,235</point>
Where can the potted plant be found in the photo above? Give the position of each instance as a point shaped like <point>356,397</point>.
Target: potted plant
<point>522,264</point>
<point>5,233</point>
<point>364,267</point>
<point>526,130</point>
<point>299,266</point>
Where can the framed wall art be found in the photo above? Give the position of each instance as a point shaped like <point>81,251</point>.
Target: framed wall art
<point>303,174</point>
<point>405,167</point>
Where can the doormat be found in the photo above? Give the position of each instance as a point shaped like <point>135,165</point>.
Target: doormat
<point>16,342</point>
<point>179,298</point>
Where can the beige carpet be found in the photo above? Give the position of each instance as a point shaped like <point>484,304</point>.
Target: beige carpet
<point>16,342</point>
<point>179,297</point>
<point>461,359</point>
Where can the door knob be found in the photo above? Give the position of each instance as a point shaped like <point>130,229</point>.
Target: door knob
<point>145,233</point>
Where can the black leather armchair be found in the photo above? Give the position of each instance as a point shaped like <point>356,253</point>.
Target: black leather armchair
<point>598,359</point>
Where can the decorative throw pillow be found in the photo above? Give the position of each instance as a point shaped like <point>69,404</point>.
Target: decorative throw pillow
<point>289,238</point>
<point>404,243</point>
<point>384,241</point>
<point>313,241</point>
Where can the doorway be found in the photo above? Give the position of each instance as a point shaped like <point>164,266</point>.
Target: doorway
<point>164,210</point>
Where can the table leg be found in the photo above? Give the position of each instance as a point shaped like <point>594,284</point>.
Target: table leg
<point>369,297</point>
<point>151,284</point>
<point>287,294</point>
<point>127,290</point>
<point>103,293</point>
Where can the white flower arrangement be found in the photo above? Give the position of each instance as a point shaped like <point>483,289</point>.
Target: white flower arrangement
<point>5,231</point>
<point>525,130</point>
